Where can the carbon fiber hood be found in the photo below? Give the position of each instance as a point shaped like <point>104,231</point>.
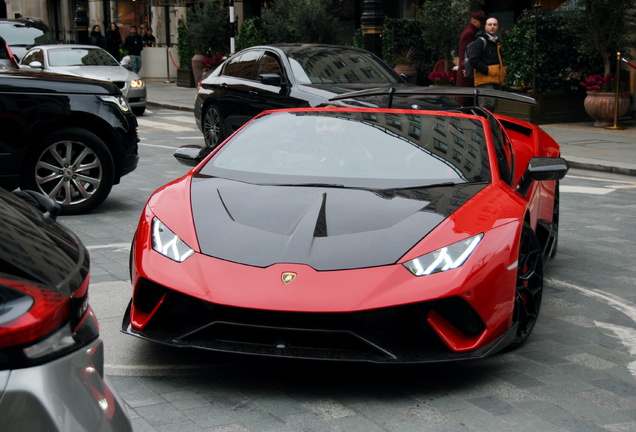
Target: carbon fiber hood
<point>325,228</point>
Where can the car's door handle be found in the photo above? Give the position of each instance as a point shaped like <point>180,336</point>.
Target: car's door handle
<point>223,86</point>
<point>253,93</point>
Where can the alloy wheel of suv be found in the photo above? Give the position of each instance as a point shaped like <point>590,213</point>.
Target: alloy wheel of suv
<point>73,167</point>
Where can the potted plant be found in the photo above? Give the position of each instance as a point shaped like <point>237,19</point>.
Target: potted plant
<point>185,78</point>
<point>442,79</point>
<point>600,102</point>
<point>404,63</point>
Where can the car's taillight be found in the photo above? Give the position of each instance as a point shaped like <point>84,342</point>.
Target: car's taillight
<point>48,311</point>
<point>38,323</point>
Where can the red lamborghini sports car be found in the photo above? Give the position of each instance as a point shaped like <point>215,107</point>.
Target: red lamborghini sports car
<point>355,234</point>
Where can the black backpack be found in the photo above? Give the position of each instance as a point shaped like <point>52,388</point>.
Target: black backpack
<point>470,70</point>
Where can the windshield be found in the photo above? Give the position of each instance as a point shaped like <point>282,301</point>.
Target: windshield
<point>17,34</point>
<point>338,65</point>
<point>60,57</point>
<point>376,150</point>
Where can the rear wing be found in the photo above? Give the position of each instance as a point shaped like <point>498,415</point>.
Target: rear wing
<point>473,92</point>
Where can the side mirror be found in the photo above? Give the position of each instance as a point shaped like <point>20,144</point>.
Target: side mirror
<point>271,79</point>
<point>542,169</point>
<point>191,155</point>
<point>43,203</point>
<point>35,65</point>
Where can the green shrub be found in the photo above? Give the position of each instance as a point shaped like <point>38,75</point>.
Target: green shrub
<point>251,34</point>
<point>307,21</point>
<point>184,45</point>
<point>559,65</point>
<point>209,27</point>
<point>402,41</point>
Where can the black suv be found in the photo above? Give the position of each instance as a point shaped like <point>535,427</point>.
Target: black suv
<point>22,34</point>
<point>67,137</point>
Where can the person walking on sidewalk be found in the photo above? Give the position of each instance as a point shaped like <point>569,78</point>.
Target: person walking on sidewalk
<point>133,44</point>
<point>489,69</point>
<point>96,37</point>
<point>113,41</point>
<point>468,35</point>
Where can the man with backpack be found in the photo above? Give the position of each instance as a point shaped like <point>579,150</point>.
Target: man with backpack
<point>485,58</point>
<point>468,35</point>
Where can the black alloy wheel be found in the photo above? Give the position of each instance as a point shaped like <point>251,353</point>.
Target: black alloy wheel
<point>73,167</point>
<point>212,131</point>
<point>529,287</point>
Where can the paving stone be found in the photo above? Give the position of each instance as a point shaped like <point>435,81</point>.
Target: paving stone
<point>493,405</point>
<point>280,405</point>
<point>579,425</point>
<point>328,409</point>
<point>569,383</point>
<point>621,427</point>
<point>257,421</point>
<point>580,320</point>
<point>556,395</point>
<point>141,396</point>
<point>161,414</point>
<point>125,383</point>
<point>545,410</point>
<point>543,357</point>
<point>378,413</point>
<point>186,399</point>
<point>355,424</point>
<point>596,413</point>
<point>507,392</point>
<point>398,400</point>
<point>208,416</point>
<point>228,428</point>
<point>616,357</point>
<point>444,402</point>
<point>581,372</point>
<point>427,416</point>
<point>529,423</point>
<point>140,424</point>
<point>533,368</point>
<point>185,426</point>
<point>608,400</point>
<point>519,379</point>
<point>477,419</point>
<point>590,361</point>
<point>308,422</point>
<point>232,402</point>
<point>405,426</point>
<point>453,428</point>
<point>162,384</point>
<point>617,386</point>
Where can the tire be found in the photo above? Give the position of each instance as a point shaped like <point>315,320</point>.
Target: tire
<point>73,167</point>
<point>139,111</point>
<point>212,127</point>
<point>529,285</point>
<point>555,220</point>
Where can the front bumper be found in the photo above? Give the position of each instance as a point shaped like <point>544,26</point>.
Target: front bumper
<point>136,97</point>
<point>66,394</point>
<point>402,334</point>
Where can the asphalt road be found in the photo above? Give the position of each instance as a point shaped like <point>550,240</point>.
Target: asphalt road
<point>576,373</point>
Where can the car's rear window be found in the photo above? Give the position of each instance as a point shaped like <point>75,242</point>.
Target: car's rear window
<point>17,34</point>
<point>355,149</point>
<point>338,65</point>
<point>60,57</point>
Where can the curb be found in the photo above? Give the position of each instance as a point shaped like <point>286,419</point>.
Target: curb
<point>169,106</point>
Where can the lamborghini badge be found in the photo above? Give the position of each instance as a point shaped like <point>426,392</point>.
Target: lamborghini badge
<point>288,277</point>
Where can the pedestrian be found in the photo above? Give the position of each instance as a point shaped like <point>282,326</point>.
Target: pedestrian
<point>468,35</point>
<point>96,38</point>
<point>489,69</point>
<point>134,45</point>
<point>113,41</point>
<point>148,39</point>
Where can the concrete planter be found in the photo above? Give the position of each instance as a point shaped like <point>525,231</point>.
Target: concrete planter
<point>601,106</point>
<point>554,107</point>
<point>185,78</point>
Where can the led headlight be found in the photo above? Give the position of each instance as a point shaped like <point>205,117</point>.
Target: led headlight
<point>137,83</point>
<point>120,101</point>
<point>443,259</point>
<point>168,243</point>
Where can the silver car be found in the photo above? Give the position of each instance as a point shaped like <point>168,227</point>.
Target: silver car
<point>88,61</point>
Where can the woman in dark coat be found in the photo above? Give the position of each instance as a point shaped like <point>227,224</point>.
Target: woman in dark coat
<point>113,41</point>
<point>468,35</point>
<point>96,37</point>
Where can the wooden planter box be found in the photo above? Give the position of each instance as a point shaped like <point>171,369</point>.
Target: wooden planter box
<point>553,107</point>
<point>185,78</point>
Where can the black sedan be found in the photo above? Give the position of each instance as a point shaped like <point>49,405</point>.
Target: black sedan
<point>270,77</point>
